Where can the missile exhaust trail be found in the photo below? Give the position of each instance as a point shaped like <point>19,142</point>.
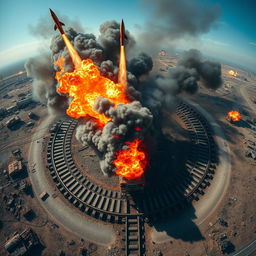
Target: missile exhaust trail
<point>122,75</point>
<point>72,51</point>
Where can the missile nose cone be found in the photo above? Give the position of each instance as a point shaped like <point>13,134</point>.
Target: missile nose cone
<point>52,12</point>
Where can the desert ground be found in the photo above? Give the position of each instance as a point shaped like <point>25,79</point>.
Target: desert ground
<point>233,218</point>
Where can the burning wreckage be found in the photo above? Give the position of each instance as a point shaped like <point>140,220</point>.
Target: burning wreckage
<point>119,112</point>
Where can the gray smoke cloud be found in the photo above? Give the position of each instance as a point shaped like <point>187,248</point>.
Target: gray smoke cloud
<point>140,65</point>
<point>161,92</point>
<point>44,85</point>
<point>209,71</point>
<point>175,19</point>
<point>44,27</point>
<point>104,53</point>
<point>148,96</point>
<point>85,44</point>
<point>109,39</point>
<point>125,117</point>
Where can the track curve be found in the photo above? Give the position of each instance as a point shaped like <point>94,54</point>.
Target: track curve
<point>110,205</point>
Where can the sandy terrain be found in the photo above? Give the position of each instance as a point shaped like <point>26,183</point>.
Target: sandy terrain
<point>236,207</point>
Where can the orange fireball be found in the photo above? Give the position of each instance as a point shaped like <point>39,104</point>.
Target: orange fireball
<point>84,86</point>
<point>232,73</point>
<point>234,116</point>
<point>130,163</point>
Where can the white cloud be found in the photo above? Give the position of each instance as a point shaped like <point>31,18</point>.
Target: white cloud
<point>253,43</point>
<point>215,42</point>
<point>19,52</point>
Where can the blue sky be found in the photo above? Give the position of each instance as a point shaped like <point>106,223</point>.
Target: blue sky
<point>234,37</point>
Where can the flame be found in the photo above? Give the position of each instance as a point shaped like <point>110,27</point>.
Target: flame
<point>137,129</point>
<point>130,163</point>
<point>232,73</point>
<point>85,85</point>
<point>122,76</point>
<point>73,53</point>
<point>234,116</point>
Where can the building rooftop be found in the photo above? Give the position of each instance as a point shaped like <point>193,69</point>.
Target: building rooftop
<point>14,167</point>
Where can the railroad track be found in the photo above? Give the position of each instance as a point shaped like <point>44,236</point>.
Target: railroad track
<point>111,206</point>
<point>134,236</point>
<point>88,197</point>
<point>190,183</point>
<point>108,204</point>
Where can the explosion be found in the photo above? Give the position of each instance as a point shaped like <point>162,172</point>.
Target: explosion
<point>234,116</point>
<point>232,73</point>
<point>131,162</point>
<point>85,85</point>
<point>118,109</point>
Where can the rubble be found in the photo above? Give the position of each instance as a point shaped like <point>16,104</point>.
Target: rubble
<point>15,168</point>
<point>30,124</point>
<point>24,103</point>
<point>11,109</point>
<point>13,121</point>
<point>21,244</point>
<point>33,116</point>
<point>29,215</point>
<point>226,247</point>
<point>25,187</point>
<point>17,154</point>
<point>251,154</point>
<point>223,236</point>
<point>222,222</point>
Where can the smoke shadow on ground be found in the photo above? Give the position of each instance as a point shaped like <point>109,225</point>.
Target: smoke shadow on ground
<point>230,131</point>
<point>242,124</point>
<point>180,226</point>
<point>168,176</point>
<point>225,104</point>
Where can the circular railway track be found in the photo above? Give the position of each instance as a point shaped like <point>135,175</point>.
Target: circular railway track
<point>110,205</point>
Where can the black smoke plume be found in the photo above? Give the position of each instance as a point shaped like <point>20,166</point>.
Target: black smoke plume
<point>44,27</point>
<point>176,19</point>
<point>44,84</point>
<point>109,39</point>
<point>160,92</point>
<point>149,96</point>
<point>140,65</point>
